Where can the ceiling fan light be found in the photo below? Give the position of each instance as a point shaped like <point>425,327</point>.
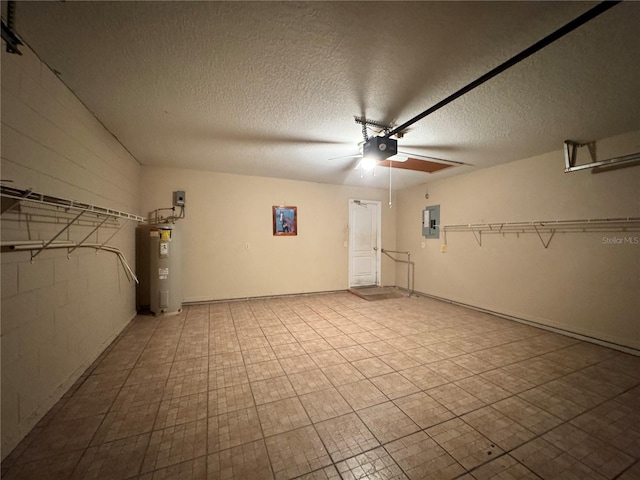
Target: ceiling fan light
<point>368,163</point>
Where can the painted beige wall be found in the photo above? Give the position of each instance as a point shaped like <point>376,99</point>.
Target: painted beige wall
<point>225,212</point>
<point>579,283</point>
<point>58,314</point>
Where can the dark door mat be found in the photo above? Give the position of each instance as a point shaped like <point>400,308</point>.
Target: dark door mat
<point>377,293</point>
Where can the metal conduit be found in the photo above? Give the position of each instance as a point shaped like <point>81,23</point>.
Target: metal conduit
<point>408,254</point>
<point>549,39</point>
<point>22,245</point>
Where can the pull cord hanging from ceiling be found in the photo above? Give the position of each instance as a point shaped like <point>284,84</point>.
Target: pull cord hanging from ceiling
<point>549,39</point>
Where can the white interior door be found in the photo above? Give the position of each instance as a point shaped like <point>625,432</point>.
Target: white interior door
<point>364,243</point>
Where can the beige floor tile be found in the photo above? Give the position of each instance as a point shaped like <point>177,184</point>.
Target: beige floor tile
<point>249,461</point>
<point>527,415</point>
<point>450,370</point>
<point>594,453</point>
<point>422,458</point>
<point>371,465</point>
<point>326,473</point>
<point>192,349</point>
<point>537,370</point>
<point>548,461</point>
<point>563,403</point>
<point>364,337</point>
<point>394,385</point>
<point>57,467</point>
<point>403,343</point>
<point>615,423</point>
<point>355,352</point>
<point>482,389</point>
<point>186,385</point>
<point>282,416</point>
<point>345,436</point>
<point>309,381</point>
<point>149,373</point>
<point>504,468</point>
<point>82,406</point>
<point>164,381</point>
<point>138,395</point>
<point>316,346</point>
<point>632,473</point>
<point>119,459</point>
<point>372,367</point>
<point>233,428</point>
<point>264,370</point>
<point>178,410</point>
<point>175,444</point>
<point>423,377</point>
<point>288,350</point>
<point>189,366</point>
<point>506,381</point>
<point>380,348</point>
<point>296,453</point>
<point>281,338</point>
<point>473,363</point>
<point>342,374</point>
<point>126,422</point>
<point>160,354</point>
<point>423,409</point>
<point>341,341</point>
<point>580,355</point>
<point>272,389</point>
<point>324,404</point>
<point>230,399</point>
<point>423,355</point>
<point>455,398</point>
<point>102,382</point>
<point>258,355</point>
<point>195,469</point>
<point>387,422</point>
<point>500,429</point>
<point>464,443</point>
<point>327,358</point>
<point>361,394</point>
<point>399,360</point>
<point>222,360</point>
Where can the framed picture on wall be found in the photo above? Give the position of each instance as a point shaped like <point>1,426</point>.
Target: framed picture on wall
<point>285,220</point>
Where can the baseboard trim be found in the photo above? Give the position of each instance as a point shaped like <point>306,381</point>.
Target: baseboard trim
<point>532,323</point>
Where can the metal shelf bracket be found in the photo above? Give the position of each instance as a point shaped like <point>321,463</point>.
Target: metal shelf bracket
<point>571,155</point>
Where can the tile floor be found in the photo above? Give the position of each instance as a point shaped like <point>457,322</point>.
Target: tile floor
<point>332,386</point>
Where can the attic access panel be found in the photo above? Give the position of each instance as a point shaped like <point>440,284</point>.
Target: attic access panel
<point>416,165</point>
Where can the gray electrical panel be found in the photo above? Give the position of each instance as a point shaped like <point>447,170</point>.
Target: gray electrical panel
<point>179,198</point>
<point>431,222</point>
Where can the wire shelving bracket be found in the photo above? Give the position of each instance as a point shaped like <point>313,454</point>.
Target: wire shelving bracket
<point>81,209</point>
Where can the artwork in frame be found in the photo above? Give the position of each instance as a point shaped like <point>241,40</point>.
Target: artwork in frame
<point>285,220</point>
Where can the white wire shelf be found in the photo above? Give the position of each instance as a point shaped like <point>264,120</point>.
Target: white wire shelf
<point>40,198</point>
<point>73,213</point>
<point>548,227</point>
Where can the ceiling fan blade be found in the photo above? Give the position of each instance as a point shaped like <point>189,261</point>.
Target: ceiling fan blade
<point>259,138</point>
<point>399,157</point>
<point>345,157</point>
<point>432,159</point>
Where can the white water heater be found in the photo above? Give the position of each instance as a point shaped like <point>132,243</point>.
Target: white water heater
<point>165,259</point>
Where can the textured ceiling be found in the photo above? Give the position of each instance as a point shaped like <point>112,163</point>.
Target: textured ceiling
<point>271,88</point>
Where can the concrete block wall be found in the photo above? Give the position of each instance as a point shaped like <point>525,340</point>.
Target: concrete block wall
<point>58,313</point>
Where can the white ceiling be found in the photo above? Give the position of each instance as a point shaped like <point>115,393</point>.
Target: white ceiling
<point>271,88</point>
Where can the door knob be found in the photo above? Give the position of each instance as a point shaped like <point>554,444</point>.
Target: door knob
<point>375,248</point>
